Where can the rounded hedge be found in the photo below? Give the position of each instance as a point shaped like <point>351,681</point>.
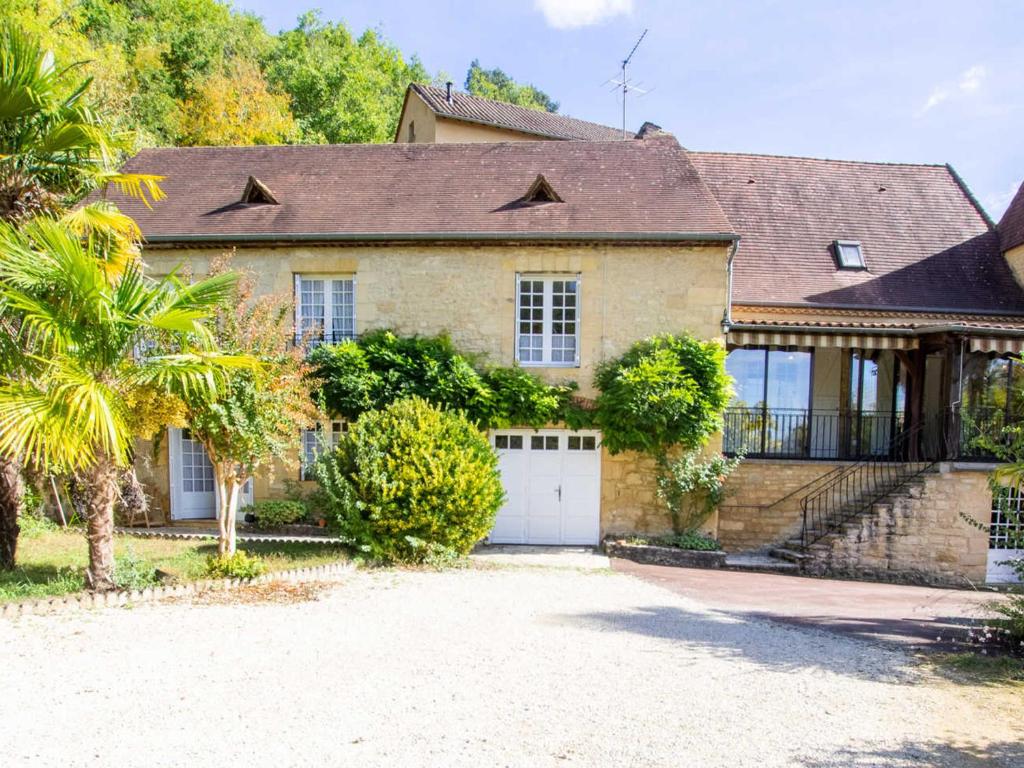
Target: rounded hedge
<point>665,391</point>
<point>409,479</point>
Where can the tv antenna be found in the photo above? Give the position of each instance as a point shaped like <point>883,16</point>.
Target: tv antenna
<point>625,84</point>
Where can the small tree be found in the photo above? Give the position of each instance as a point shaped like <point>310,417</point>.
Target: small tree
<point>258,416</point>
<point>664,394</point>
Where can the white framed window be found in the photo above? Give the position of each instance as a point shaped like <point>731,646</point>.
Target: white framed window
<point>325,308</point>
<point>548,320</point>
<point>315,441</point>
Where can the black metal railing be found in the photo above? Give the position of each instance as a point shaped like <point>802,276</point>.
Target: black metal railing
<point>315,337</point>
<point>804,434</point>
<point>853,490</point>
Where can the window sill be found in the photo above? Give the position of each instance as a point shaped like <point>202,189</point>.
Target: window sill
<point>521,364</point>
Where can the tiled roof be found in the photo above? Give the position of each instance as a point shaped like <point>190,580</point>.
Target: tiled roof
<point>642,188</point>
<point>498,113</point>
<point>926,244</point>
<point>1011,227</point>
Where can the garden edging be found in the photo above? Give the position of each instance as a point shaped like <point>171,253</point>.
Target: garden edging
<point>655,555</point>
<point>117,598</point>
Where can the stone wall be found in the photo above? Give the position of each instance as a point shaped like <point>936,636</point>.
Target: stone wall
<point>756,513</point>
<point>917,536</point>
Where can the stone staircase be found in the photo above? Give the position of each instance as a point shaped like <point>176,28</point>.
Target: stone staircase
<point>865,526</point>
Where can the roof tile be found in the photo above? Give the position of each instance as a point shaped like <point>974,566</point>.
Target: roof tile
<point>1011,226</point>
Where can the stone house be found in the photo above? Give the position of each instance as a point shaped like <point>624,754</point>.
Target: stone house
<point>873,313</point>
<point>552,255</point>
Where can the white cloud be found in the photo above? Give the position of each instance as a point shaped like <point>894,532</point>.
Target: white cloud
<point>970,80</point>
<point>569,14</point>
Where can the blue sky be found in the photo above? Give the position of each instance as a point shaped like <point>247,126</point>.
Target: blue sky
<point>928,82</point>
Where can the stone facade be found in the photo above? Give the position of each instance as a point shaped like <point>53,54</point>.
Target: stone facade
<point>759,509</point>
<point>626,293</point>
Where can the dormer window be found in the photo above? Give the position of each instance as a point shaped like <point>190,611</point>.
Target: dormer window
<point>541,191</point>
<point>257,192</point>
<point>849,254</point>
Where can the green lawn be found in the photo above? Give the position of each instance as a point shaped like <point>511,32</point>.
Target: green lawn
<point>52,562</point>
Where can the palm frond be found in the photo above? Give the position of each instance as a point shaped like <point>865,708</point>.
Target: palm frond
<point>141,186</point>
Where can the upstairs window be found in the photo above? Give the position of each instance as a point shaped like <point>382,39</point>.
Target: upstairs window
<point>849,254</point>
<point>325,309</point>
<point>547,320</point>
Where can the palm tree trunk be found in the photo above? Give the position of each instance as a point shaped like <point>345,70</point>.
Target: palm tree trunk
<point>12,492</point>
<point>99,486</point>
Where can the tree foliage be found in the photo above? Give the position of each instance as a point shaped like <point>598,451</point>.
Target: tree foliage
<point>258,415</point>
<point>495,84</point>
<point>236,108</point>
<point>156,65</point>
<point>382,367</point>
<point>664,392</point>
<point>343,89</point>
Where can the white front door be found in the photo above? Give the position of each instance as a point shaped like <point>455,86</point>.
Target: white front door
<point>552,480</point>
<point>193,490</point>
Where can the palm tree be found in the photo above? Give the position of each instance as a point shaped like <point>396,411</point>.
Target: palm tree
<point>53,149</point>
<point>87,328</point>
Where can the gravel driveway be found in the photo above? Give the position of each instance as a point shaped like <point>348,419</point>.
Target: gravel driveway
<point>499,666</point>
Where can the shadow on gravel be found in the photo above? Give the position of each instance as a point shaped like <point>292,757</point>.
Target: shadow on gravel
<point>727,634</point>
<point>1001,754</point>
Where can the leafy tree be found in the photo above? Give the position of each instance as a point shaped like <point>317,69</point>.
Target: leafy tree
<point>70,408</point>
<point>343,89</point>
<point>52,149</point>
<point>665,391</point>
<point>258,415</point>
<point>495,84</point>
<point>236,109</point>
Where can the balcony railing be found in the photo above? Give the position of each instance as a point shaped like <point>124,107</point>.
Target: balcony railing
<point>961,434</point>
<point>803,434</point>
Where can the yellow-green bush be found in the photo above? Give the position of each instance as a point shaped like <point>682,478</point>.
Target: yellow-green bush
<point>408,479</point>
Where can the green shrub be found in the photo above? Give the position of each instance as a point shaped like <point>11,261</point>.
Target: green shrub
<point>273,513</point>
<point>692,540</point>
<point>133,572</point>
<point>522,399</point>
<point>240,565</point>
<point>665,391</point>
<point>691,488</point>
<point>381,368</point>
<point>408,477</point>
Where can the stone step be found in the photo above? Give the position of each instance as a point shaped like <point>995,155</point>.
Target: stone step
<point>760,562</point>
<point>795,556</point>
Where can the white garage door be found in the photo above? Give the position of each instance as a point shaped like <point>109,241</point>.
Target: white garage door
<point>552,480</point>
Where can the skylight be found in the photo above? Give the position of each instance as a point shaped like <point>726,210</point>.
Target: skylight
<point>849,254</point>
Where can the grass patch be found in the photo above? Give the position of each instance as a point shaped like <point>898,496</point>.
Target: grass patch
<point>52,563</point>
<point>972,667</point>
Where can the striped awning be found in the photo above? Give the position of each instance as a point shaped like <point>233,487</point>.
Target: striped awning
<point>1001,345</point>
<point>778,338</point>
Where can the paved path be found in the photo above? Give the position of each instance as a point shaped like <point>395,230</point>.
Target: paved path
<point>534,667</point>
<point>913,616</point>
